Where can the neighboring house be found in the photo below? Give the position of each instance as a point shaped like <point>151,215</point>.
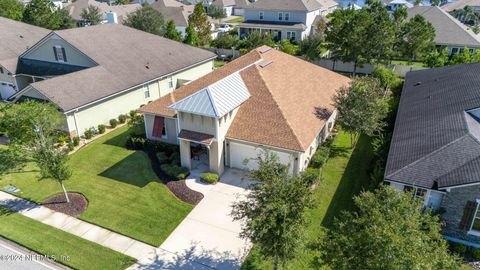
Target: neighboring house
<point>393,5</point>
<point>96,73</point>
<point>15,38</point>
<point>435,148</point>
<point>226,5</point>
<point>264,100</point>
<point>240,6</point>
<point>176,11</point>
<point>284,19</point>
<point>111,13</point>
<point>449,32</point>
<point>461,4</point>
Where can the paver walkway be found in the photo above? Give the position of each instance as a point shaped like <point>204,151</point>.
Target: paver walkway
<point>99,235</point>
<point>208,237</point>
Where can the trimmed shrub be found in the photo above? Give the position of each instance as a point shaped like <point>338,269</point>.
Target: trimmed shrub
<point>113,123</point>
<point>62,139</point>
<point>76,141</point>
<point>89,134</point>
<point>101,129</point>
<point>320,157</point>
<point>459,248</point>
<point>70,146</point>
<point>175,171</point>
<point>211,178</point>
<point>476,254</point>
<point>136,143</point>
<point>132,113</point>
<point>122,118</point>
<point>162,158</point>
<point>311,175</point>
<point>175,158</point>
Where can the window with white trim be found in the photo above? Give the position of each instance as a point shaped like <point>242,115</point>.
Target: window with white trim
<point>280,16</point>
<point>291,35</point>
<point>454,50</point>
<point>260,15</point>
<point>418,193</point>
<point>170,82</point>
<point>286,16</point>
<point>146,91</point>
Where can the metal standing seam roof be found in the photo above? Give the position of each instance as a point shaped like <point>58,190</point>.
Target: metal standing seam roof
<point>217,99</point>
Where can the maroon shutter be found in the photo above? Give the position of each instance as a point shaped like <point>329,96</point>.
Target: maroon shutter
<point>468,214</point>
<point>158,126</point>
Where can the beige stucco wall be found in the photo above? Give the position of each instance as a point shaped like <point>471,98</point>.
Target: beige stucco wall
<point>44,52</point>
<point>197,123</point>
<point>186,75</point>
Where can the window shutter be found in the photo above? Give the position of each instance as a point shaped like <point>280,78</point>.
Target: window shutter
<point>468,214</point>
<point>158,126</point>
<point>64,55</point>
<point>55,53</point>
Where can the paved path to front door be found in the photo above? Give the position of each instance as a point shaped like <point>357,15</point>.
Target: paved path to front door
<point>208,237</point>
<point>99,235</point>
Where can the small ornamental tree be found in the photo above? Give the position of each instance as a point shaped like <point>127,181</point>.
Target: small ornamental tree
<point>274,211</point>
<point>191,37</point>
<point>417,37</point>
<point>361,107</point>
<point>146,19</point>
<point>201,24</point>
<point>92,15</point>
<point>311,47</point>
<point>217,13</point>
<point>171,32</point>
<point>389,230</point>
<point>44,14</point>
<point>12,9</point>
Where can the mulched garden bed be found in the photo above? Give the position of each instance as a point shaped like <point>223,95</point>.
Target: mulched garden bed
<point>177,187</point>
<point>78,203</point>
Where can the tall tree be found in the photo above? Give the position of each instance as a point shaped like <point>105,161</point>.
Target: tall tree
<point>436,58</point>
<point>381,36</point>
<point>43,13</point>
<point>191,37</point>
<point>12,9</point>
<point>361,107</point>
<point>311,47</point>
<point>146,19</point>
<point>217,13</point>
<point>92,15</point>
<point>388,231</point>
<point>417,37</point>
<point>171,32</point>
<point>200,21</point>
<point>256,39</point>
<point>274,211</point>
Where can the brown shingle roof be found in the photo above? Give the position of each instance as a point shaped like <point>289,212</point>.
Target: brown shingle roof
<point>15,38</point>
<point>285,98</point>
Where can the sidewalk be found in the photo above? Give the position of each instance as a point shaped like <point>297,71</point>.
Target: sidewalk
<point>88,231</point>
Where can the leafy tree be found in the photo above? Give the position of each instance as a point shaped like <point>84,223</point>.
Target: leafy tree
<point>121,2</point>
<point>200,21</point>
<point>321,27</point>
<point>256,39</point>
<point>217,13</point>
<point>92,15</point>
<point>418,2</point>
<point>146,19</point>
<point>191,37</point>
<point>381,38</point>
<point>12,9</point>
<point>287,47</point>
<point>385,76</point>
<point>311,47</point>
<point>436,58</point>
<point>32,128</point>
<point>226,41</point>
<point>417,37</point>
<point>463,57</point>
<point>43,13</point>
<point>388,231</point>
<point>361,107</point>
<point>171,32</point>
<point>274,211</point>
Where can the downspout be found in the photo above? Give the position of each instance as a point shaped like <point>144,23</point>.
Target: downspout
<point>75,121</point>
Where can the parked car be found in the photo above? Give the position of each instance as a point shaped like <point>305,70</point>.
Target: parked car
<point>224,28</point>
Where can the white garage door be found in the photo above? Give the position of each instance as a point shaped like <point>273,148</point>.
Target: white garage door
<point>6,90</point>
<point>239,153</point>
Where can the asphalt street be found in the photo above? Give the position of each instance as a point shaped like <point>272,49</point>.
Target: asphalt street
<point>13,257</point>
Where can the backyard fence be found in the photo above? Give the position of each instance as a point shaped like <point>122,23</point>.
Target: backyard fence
<point>348,67</point>
<point>225,53</point>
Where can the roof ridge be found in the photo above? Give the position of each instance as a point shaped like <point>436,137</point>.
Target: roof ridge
<point>458,23</point>
<point>279,109</point>
<point>212,102</point>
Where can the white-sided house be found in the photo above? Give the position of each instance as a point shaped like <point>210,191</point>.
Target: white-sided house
<point>97,73</point>
<point>435,148</point>
<point>15,38</point>
<point>264,100</point>
<point>176,11</point>
<point>284,19</point>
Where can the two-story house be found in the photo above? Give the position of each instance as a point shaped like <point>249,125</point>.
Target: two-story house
<point>284,19</point>
<point>435,148</point>
<point>264,100</point>
<point>94,74</point>
<point>15,38</point>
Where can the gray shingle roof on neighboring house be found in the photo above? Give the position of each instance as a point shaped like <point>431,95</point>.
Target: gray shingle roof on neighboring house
<point>75,9</point>
<point>460,4</point>
<point>126,57</point>
<point>15,38</point>
<point>217,99</point>
<point>288,5</point>
<point>173,10</point>
<point>448,30</point>
<point>435,143</point>
<point>223,3</point>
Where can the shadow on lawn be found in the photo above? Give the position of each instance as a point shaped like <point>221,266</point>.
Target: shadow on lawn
<point>130,170</point>
<point>354,179</point>
<point>119,140</point>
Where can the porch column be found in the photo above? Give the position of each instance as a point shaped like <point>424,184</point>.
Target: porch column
<point>185,158</point>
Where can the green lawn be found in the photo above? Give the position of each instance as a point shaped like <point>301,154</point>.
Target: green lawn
<point>124,193</point>
<point>218,63</point>
<point>236,20</point>
<point>344,175</point>
<point>65,248</point>
<point>405,63</point>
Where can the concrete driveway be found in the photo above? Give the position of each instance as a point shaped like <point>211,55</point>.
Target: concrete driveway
<point>208,237</point>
